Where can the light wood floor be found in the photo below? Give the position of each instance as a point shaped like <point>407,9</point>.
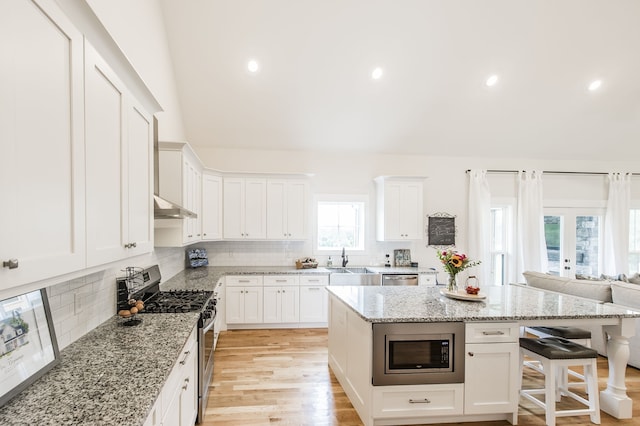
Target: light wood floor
<point>281,377</point>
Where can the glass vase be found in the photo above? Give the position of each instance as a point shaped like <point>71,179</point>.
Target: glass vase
<point>452,285</point>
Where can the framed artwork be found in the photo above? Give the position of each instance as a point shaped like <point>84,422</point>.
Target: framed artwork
<point>441,230</point>
<point>402,257</point>
<point>28,346</point>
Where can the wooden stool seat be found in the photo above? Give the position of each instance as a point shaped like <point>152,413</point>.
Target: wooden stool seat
<point>556,354</point>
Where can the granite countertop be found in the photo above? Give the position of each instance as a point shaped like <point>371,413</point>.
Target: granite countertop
<point>111,376</point>
<point>426,304</point>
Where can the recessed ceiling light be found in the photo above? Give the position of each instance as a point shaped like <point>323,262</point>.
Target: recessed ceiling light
<point>492,80</point>
<point>595,85</point>
<point>253,66</point>
<point>377,73</point>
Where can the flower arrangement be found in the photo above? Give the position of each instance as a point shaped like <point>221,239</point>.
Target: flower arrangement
<point>455,262</point>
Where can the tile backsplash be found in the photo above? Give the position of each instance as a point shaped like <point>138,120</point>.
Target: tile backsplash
<point>81,304</point>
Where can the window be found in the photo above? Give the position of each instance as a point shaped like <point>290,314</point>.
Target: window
<point>501,224</point>
<point>634,241</point>
<point>341,223</point>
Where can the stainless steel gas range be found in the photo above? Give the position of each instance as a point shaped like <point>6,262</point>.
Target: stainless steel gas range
<point>144,284</point>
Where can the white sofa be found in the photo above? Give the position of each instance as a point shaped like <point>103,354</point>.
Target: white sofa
<point>626,294</point>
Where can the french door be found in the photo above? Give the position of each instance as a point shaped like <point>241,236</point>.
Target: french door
<point>574,240</point>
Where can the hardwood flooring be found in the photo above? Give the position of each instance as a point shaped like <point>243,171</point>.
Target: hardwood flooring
<point>281,377</point>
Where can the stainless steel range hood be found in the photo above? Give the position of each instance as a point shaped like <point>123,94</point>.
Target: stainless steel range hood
<point>164,209</point>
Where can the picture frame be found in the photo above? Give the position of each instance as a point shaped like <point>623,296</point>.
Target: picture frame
<point>441,230</point>
<point>28,345</point>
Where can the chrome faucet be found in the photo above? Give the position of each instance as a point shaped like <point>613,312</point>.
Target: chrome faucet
<point>345,259</point>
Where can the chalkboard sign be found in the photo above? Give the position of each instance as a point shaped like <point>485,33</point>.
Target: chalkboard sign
<point>442,231</point>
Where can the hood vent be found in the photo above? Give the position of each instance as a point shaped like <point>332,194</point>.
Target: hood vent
<point>163,209</point>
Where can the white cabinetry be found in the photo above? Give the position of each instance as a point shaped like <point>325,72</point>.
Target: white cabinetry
<point>313,298</point>
<point>178,402</point>
<point>181,183</point>
<point>281,299</point>
<point>42,219</point>
<point>118,167</point>
<point>399,208</point>
<point>211,206</point>
<point>287,209</point>
<point>491,368</point>
<point>245,204</point>
<point>244,296</point>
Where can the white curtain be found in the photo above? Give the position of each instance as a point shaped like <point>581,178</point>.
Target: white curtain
<point>531,246</point>
<point>616,225</point>
<point>480,225</point>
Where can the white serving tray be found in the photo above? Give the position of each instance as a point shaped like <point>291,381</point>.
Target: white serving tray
<point>463,295</point>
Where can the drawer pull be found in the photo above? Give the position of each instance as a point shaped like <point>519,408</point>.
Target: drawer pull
<point>244,281</point>
<point>314,288</point>
<point>186,355</point>
<point>419,401</point>
<point>493,333</point>
<point>281,281</point>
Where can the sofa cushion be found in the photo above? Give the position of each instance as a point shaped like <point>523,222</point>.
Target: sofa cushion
<point>591,289</point>
<point>626,294</point>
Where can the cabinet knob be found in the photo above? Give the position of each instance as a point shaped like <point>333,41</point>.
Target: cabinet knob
<point>134,244</point>
<point>11,263</point>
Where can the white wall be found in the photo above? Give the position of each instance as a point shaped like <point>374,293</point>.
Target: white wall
<point>138,29</point>
<point>446,190</point>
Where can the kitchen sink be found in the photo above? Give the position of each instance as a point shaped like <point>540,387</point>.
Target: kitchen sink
<point>348,270</point>
<point>353,276</point>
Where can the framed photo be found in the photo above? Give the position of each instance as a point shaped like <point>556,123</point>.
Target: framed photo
<point>441,230</point>
<point>28,346</point>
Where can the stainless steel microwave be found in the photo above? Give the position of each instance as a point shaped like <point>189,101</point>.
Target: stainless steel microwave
<point>418,353</point>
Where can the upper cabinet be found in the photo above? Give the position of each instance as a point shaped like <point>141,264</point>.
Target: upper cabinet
<point>211,206</point>
<point>42,219</point>
<point>287,209</point>
<point>399,212</point>
<point>245,206</point>
<point>181,183</point>
<point>119,137</point>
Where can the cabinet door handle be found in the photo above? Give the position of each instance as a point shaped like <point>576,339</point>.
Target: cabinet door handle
<point>186,355</point>
<point>493,333</point>
<point>314,288</point>
<point>471,353</point>
<point>419,401</point>
<point>186,384</point>
<point>11,263</point>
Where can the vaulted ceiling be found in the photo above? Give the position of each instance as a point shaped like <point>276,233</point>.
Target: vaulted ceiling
<point>314,88</point>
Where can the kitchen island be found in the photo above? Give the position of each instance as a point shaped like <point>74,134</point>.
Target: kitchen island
<point>354,310</point>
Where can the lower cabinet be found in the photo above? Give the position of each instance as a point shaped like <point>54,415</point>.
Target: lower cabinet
<point>289,300</point>
<point>281,304</point>
<point>178,401</point>
<point>313,299</point>
<point>244,296</point>
<point>491,368</point>
<point>419,400</point>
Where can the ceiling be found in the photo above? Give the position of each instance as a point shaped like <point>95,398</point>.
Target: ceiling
<point>314,89</point>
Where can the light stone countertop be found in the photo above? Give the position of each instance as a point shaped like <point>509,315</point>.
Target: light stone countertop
<point>507,303</point>
<point>110,376</point>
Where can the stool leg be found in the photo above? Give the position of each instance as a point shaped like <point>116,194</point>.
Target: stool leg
<point>550,386</point>
<point>591,377</point>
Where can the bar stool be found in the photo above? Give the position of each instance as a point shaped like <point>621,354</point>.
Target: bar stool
<point>573,334</point>
<point>554,354</point>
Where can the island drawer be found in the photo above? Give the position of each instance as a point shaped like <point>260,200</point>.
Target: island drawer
<point>492,332</point>
<point>418,400</point>
<point>243,280</point>
<point>280,280</point>
<point>314,280</point>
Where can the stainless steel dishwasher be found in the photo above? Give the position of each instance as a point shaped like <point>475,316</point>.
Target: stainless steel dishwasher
<point>399,279</point>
